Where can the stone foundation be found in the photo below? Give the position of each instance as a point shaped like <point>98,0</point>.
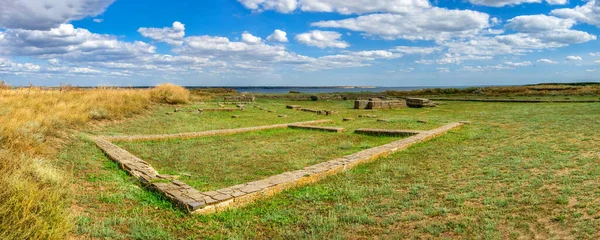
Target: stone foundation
<point>241,98</point>
<point>388,132</point>
<point>194,201</point>
<point>376,103</point>
<point>205,133</point>
<point>419,102</point>
<point>318,128</point>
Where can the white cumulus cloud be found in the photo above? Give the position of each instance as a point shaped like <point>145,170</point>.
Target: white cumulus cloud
<point>502,3</point>
<point>546,61</point>
<point>322,39</point>
<point>573,58</point>
<point>339,6</point>
<point>46,14</point>
<point>588,13</point>
<point>278,36</point>
<point>171,35</point>
<point>538,23</point>
<point>250,39</point>
<point>430,24</point>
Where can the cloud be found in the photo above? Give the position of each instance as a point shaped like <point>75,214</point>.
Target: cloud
<point>278,36</point>
<point>46,14</point>
<point>98,20</point>
<point>547,61</point>
<point>485,68</point>
<point>590,70</point>
<point>171,35</point>
<point>573,58</point>
<point>250,39</point>
<point>597,61</point>
<point>588,13</point>
<point>69,42</point>
<point>443,70</point>
<point>430,24</point>
<point>518,64</point>
<point>502,3</point>
<point>595,54</point>
<point>538,23</point>
<point>346,60</point>
<point>416,50</point>
<point>339,6</point>
<point>322,39</point>
<point>283,6</point>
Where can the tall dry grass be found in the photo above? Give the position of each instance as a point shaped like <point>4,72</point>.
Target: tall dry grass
<point>170,94</point>
<point>33,196</point>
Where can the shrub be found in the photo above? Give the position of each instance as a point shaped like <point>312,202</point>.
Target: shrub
<point>170,94</point>
<point>314,98</point>
<point>4,85</point>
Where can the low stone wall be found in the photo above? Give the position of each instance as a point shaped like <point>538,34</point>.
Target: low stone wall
<point>318,128</point>
<point>218,109</point>
<point>205,133</point>
<point>198,202</point>
<point>419,102</point>
<point>387,132</point>
<point>376,103</point>
<point>239,98</point>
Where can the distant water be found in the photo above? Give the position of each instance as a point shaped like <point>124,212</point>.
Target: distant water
<point>280,90</point>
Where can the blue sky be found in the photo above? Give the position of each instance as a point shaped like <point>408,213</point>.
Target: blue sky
<point>299,42</point>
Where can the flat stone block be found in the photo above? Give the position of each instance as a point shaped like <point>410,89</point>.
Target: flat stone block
<point>387,132</point>
<point>326,129</point>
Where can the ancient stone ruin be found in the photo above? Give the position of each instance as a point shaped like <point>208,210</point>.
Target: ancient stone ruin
<point>194,201</point>
<point>240,98</point>
<point>377,103</point>
<point>419,102</point>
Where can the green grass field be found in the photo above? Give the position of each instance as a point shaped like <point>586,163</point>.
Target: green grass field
<point>212,163</point>
<point>519,171</point>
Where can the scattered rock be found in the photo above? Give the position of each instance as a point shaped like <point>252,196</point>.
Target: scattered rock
<point>270,111</point>
<point>422,121</point>
<point>169,113</point>
<point>368,116</point>
<point>235,116</point>
<point>383,120</point>
<point>348,119</point>
<point>176,110</point>
<point>293,107</point>
<point>282,116</point>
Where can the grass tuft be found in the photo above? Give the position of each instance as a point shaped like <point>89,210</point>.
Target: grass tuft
<point>170,94</point>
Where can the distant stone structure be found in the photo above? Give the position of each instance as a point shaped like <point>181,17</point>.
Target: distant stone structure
<point>377,103</point>
<point>240,98</point>
<point>419,102</point>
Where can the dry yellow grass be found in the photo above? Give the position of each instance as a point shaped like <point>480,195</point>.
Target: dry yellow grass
<point>33,199</point>
<point>169,93</point>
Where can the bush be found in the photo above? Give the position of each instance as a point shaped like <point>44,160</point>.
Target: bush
<point>169,93</point>
<point>314,98</point>
<point>4,85</point>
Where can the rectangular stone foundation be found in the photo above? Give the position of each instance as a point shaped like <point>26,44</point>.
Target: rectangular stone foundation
<point>388,132</point>
<point>194,201</point>
<point>205,133</point>
<point>318,128</point>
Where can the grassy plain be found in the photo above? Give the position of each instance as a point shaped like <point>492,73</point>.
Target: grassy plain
<point>521,170</point>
